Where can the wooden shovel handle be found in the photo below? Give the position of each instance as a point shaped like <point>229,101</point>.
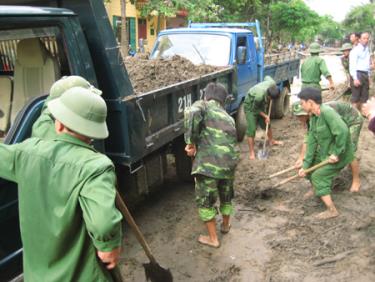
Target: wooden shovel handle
<point>282,172</point>
<point>319,165</point>
<point>130,220</point>
<point>267,126</point>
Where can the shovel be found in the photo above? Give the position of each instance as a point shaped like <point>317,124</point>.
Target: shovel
<point>263,154</point>
<point>282,172</point>
<point>154,272</point>
<point>286,180</point>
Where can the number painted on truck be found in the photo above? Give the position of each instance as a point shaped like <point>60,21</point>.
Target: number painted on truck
<point>184,102</point>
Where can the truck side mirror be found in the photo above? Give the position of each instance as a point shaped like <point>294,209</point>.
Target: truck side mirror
<point>241,55</point>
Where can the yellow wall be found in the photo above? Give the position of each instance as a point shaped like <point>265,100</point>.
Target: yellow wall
<point>114,9</point>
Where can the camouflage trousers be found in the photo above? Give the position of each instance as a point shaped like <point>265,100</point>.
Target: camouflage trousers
<point>207,190</point>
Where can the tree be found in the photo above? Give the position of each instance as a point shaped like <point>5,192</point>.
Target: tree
<point>124,35</point>
<point>360,18</point>
<point>161,8</point>
<point>330,30</point>
<point>293,21</point>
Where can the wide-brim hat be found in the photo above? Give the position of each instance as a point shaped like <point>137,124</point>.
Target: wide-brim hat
<point>297,109</point>
<point>346,46</point>
<point>67,82</point>
<point>82,111</point>
<point>314,48</point>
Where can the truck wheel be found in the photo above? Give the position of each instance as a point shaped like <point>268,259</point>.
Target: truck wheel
<point>280,106</point>
<point>241,123</point>
<point>182,161</point>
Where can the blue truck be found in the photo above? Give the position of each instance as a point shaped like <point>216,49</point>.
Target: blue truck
<point>43,40</point>
<point>238,45</point>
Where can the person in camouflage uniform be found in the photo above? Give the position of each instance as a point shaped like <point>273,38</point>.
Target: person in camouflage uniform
<point>345,49</point>
<point>328,139</point>
<point>313,68</point>
<point>353,119</point>
<point>255,106</point>
<point>210,135</point>
<point>44,126</point>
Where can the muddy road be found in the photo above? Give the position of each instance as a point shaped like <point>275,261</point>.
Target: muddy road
<point>274,236</point>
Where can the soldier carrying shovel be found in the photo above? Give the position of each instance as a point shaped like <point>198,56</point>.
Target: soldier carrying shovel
<point>328,138</point>
<point>255,109</point>
<point>70,227</point>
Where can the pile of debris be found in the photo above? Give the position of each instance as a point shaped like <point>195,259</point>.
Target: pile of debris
<point>147,75</point>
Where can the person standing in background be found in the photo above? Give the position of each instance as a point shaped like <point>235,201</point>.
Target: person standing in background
<point>359,67</point>
<point>313,68</point>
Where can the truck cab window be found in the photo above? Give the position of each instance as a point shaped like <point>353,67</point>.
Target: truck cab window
<point>242,50</point>
<point>31,60</point>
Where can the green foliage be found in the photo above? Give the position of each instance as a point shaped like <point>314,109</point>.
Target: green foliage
<point>160,7</point>
<point>330,30</point>
<point>294,19</point>
<point>360,18</point>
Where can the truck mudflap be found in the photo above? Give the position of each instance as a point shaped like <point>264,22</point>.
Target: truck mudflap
<point>157,116</point>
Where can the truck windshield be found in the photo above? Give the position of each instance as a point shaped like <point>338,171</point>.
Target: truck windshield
<point>199,48</point>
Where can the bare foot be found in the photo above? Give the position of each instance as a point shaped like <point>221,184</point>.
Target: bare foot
<point>355,186</point>
<point>308,195</point>
<point>327,214</point>
<point>225,229</point>
<point>252,156</point>
<point>275,142</point>
<point>206,240</point>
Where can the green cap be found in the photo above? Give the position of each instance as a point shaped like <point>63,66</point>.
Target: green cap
<point>346,46</point>
<point>82,112</point>
<point>67,82</point>
<point>314,48</point>
<point>297,109</point>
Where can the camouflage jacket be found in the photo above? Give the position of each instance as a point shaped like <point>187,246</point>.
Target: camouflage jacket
<point>212,130</point>
<point>345,63</point>
<point>347,112</point>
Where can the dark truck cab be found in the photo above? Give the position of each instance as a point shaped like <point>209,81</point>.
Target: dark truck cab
<point>41,41</point>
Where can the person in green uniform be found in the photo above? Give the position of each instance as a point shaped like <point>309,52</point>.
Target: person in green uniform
<point>44,126</point>
<point>345,49</point>
<point>328,138</point>
<point>353,119</point>
<point>70,227</point>
<point>313,68</point>
<point>255,106</point>
<point>210,136</point>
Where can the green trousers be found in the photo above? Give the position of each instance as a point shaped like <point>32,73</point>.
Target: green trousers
<point>322,178</point>
<point>253,120</point>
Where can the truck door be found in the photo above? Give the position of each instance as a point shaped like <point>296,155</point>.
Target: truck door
<point>32,59</point>
<point>246,70</point>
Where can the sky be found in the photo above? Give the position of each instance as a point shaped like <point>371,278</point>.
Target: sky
<point>336,8</point>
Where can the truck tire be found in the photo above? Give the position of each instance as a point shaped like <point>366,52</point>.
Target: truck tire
<point>241,123</point>
<point>280,106</point>
<point>182,161</point>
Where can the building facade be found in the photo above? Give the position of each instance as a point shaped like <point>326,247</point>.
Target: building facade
<point>139,29</point>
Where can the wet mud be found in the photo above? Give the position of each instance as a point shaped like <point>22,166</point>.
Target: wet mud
<point>274,234</point>
<point>147,75</point>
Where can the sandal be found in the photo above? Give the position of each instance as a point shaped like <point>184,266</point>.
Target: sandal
<point>225,230</point>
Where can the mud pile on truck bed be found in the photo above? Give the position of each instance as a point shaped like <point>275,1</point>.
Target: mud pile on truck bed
<point>146,75</point>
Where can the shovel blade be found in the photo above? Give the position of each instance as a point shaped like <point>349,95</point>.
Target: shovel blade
<point>262,154</point>
<point>155,273</point>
